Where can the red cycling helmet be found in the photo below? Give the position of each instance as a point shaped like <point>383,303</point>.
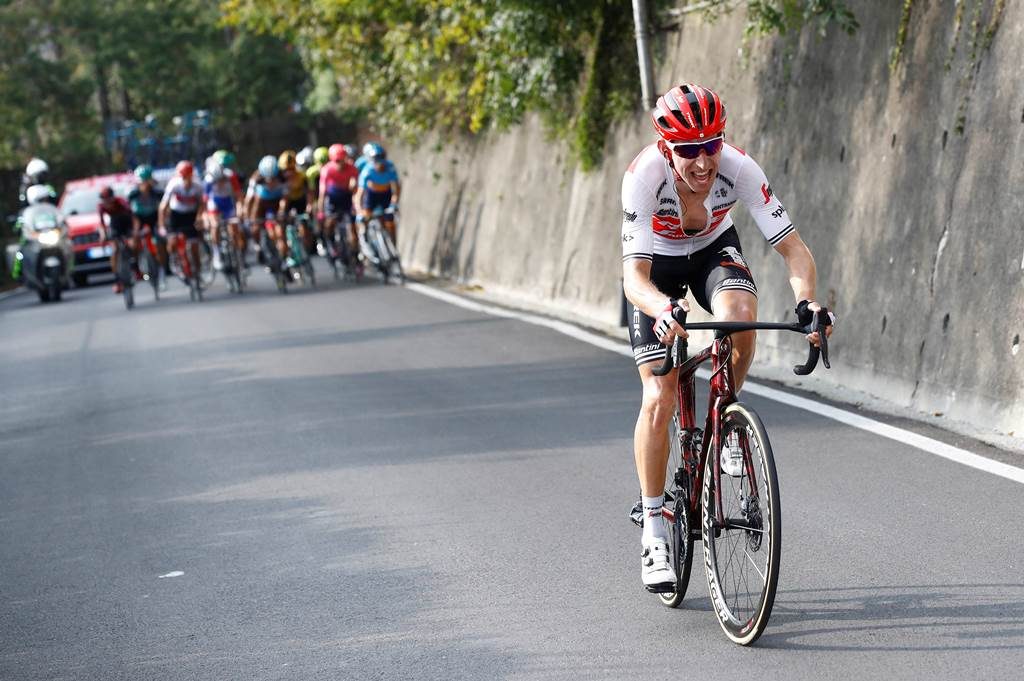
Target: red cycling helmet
<point>337,153</point>
<point>688,113</point>
<point>184,169</point>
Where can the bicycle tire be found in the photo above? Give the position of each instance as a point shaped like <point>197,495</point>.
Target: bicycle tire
<point>680,537</point>
<point>394,261</point>
<point>152,271</point>
<point>743,622</point>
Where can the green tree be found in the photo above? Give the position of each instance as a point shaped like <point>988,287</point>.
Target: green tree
<point>68,68</point>
<point>471,65</point>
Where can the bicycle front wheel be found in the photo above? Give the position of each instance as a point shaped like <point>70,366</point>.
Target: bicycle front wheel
<point>743,547</point>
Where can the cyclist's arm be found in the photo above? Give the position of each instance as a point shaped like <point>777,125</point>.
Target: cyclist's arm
<point>803,275</point>
<point>639,289</point>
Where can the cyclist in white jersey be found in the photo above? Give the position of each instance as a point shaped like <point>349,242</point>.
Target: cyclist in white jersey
<point>677,235</point>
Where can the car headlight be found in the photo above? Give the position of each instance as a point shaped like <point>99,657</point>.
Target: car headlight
<point>49,238</point>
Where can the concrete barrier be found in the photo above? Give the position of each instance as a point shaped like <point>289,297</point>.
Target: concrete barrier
<point>917,229</point>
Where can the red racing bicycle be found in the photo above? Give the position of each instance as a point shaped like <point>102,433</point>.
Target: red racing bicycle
<point>721,485</point>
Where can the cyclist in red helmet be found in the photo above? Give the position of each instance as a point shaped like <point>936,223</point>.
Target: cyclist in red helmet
<point>678,236</point>
<point>180,209</point>
<point>337,184</point>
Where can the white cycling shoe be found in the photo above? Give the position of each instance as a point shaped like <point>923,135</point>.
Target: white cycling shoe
<point>656,566</point>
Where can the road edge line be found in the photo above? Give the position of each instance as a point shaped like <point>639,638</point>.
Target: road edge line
<point>915,440</point>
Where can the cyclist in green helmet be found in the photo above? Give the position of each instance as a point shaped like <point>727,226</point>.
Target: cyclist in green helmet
<point>144,200</point>
<point>320,157</point>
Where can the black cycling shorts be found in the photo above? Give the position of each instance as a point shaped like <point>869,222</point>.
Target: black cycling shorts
<point>337,204</point>
<point>717,267</point>
<point>184,224</point>
<point>297,205</point>
<point>121,225</point>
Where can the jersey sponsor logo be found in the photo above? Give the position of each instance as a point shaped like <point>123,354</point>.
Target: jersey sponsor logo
<point>661,188</point>
<point>726,180</point>
<point>627,216</point>
<point>721,193</point>
<point>778,212</point>
<point>626,238</point>
<point>668,199</point>
<point>717,210</point>
<point>667,226</point>
<point>668,212</point>
<point>766,189</point>
<point>733,254</point>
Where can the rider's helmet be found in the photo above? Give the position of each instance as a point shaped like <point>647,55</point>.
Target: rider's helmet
<point>337,153</point>
<point>368,149</point>
<point>184,169</point>
<point>287,159</point>
<point>224,157</point>
<point>688,113</point>
<point>352,151</point>
<point>144,173</point>
<point>40,193</point>
<point>321,155</point>
<point>377,153</point>
<point>268,167</point>
<point>215,172</point>
<point>304,158</point>
<point>37,170</point>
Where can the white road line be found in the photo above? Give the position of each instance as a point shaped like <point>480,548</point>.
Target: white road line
<point>925,444</point>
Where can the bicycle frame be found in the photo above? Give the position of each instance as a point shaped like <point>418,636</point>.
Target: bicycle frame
<point>721,396</point>
<point>723,393</point>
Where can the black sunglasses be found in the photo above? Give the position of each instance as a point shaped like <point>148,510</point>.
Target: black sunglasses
<point>693,149</point>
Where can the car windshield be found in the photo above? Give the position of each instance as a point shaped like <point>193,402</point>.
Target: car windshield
<point>85,200</point>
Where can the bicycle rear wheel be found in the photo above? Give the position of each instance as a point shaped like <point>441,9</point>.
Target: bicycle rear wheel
<point>677,498</point>
<point>742,553</point>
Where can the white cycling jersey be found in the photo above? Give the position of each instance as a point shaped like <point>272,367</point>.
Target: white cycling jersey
<point>651,223</point>
<point>181,197</point>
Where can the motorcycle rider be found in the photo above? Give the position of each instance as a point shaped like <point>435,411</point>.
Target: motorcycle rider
<point>33,195</point>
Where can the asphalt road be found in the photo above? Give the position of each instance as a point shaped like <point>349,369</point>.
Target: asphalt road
<point>366,483</point>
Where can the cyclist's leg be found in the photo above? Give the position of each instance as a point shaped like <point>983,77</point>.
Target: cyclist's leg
<point>738,306</point>
<point>650,437</point>
<point>651,451</point>
<point>729,292</point>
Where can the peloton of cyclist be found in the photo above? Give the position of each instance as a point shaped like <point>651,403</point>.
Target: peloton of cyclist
<point>180,209</point>
<point>378,187</point>
<point>677,235</point>
<point>144,200</point>
<point>116,217</point>
<point>337,183</point>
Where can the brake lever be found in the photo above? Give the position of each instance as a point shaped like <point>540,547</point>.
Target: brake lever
<point>815,352</point>
<point>824,342</point>
<point>679,314</point>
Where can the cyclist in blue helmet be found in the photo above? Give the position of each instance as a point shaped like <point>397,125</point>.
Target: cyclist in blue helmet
<point>265,197</point>
<point>379,188</point>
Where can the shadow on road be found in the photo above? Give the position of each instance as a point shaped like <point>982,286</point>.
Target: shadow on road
<point>896,618</point>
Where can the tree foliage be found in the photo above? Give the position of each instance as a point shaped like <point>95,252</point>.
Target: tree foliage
<point>471,65</point>
<point>69,67</point>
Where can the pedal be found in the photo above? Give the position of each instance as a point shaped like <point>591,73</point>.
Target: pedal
<point>666,588</point>
<point>636,514</point>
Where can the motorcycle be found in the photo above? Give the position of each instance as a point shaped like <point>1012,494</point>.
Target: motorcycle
<point>45,252</point>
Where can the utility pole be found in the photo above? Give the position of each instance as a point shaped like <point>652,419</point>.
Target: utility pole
<point>643,52</point>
